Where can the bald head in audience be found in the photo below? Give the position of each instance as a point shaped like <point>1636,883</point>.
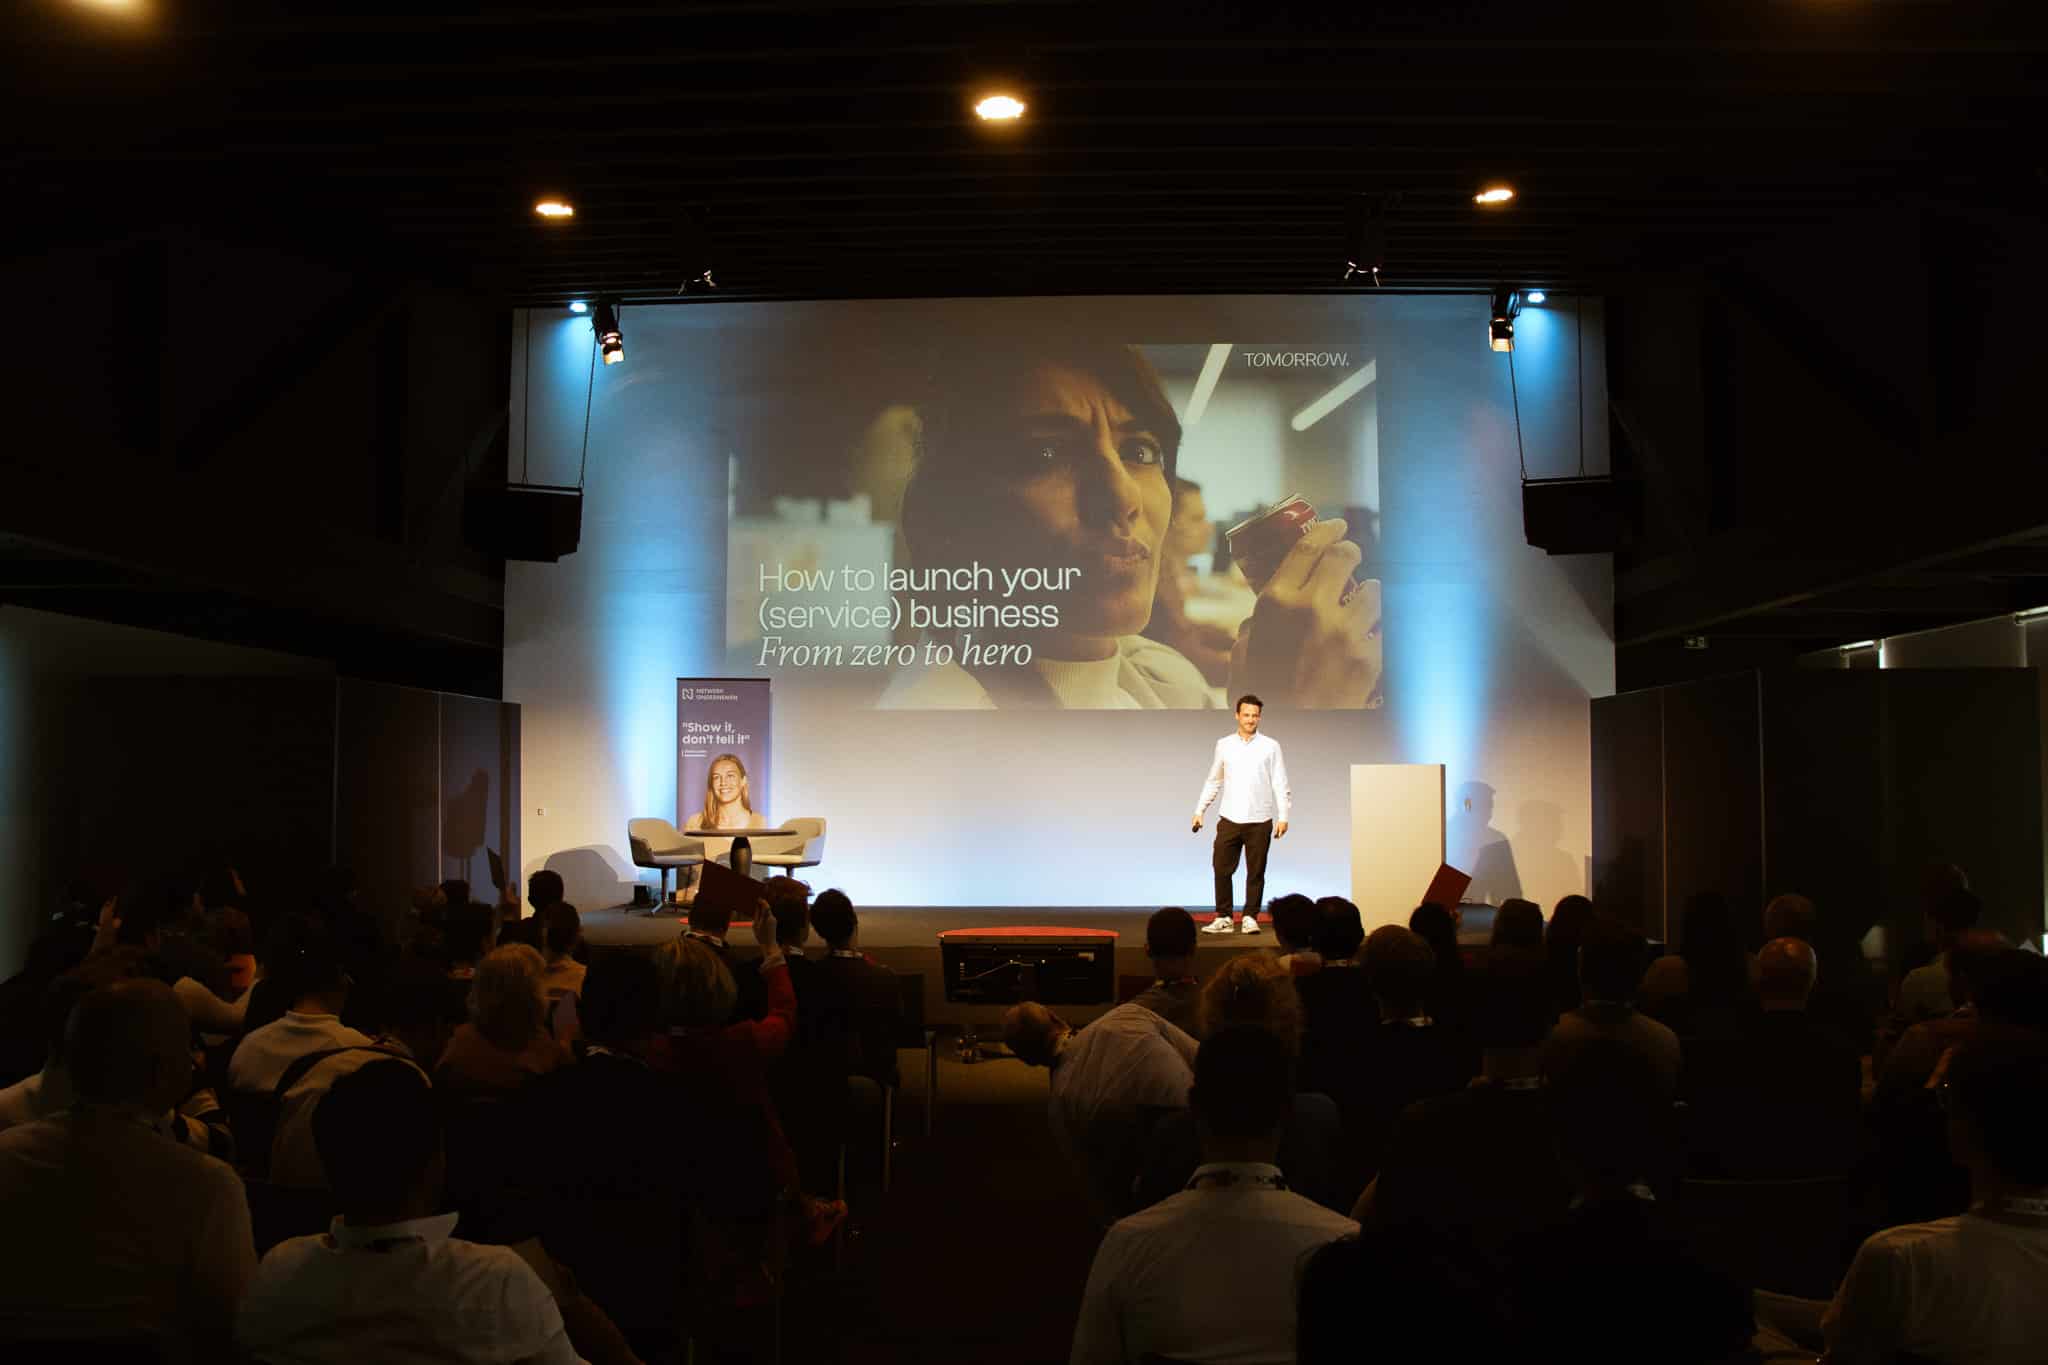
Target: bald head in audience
<point>1785,972</point>
<point>1034,1033</point>
<point>1791,916</point>
<point>129,1045</point>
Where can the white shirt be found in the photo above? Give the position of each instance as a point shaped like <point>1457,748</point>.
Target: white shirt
<point>113,1227</point>
<point>1154,1286</point>
<point>398,1293</point>
<point>1127,1058</point>
<point>262,1058</point>
<point>1965,1291</point>
<point>1253,779</point>
<point>38,1097</point>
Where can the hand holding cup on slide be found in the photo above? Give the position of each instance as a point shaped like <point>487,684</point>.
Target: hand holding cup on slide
<point>1313,639</point>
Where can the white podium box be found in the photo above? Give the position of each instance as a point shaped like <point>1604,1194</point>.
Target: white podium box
<point>1397,837</point>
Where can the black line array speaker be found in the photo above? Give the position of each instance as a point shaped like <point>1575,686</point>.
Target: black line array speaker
<point>1577,516</point>
<point>523,520</point>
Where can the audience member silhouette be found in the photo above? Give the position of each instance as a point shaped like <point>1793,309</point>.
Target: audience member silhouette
<point>561,934</point>
<point>1109,1080</point>
<point>1252,990</point>
<point>1294,931</point>
<point>1475,1169</point>
<point>1404,1057</point>
<point>1561,939</point>
<point>1151,1290</point>
<point>1448,987</point>
<point>1174,994</point>
<point>1967,1287</point>
<point>505,1042</point>
<point>1924,992</point>
<point>1705,987</point>
<point>1782,1097</point>
<point>1612,1129</point>
<point>618,1213</point>
<point>1610,964</point>
<point>117,1227</point>
<point>389,1280</point>
<point>48,1091</point>
<point>1336,1003</point>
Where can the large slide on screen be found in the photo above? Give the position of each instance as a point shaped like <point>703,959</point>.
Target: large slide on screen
<point>1074,523</point>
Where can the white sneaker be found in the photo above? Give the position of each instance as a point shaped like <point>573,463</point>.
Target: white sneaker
<point>1220,925</point>
<point>1249,924</point>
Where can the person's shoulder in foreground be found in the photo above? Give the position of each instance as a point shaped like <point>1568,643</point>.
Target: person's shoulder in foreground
<point>343,1295</point>
<point>388,1280</point>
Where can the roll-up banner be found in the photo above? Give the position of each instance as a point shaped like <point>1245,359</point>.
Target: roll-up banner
<point>722,755</point>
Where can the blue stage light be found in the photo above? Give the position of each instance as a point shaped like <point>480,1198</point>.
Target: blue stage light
<point>579,307</point>
<point>1534,296</point>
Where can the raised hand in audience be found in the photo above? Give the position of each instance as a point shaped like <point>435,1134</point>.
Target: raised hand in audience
<point>109,924</point>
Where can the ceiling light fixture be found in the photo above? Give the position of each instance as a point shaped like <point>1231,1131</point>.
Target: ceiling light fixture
<point>1493,194</point>
<point>999,108</point>
<point>604,322</point>
<point>1500,325</point>
<point>555,208</point>
<point>579,307</point>
<point>1534,296</point>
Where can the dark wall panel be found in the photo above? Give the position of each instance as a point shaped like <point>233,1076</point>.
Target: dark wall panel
<point>1965,788</point>
<point>477,813</point>
<point>1713,814</point>
<point>1628,808</point>
<point>387,786</point>
<point>1824,790</point>
<point>162,776</point>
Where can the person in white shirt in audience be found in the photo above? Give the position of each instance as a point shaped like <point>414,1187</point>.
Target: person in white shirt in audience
<point>311,972</point>
<point>116,1230</point>
<point>1152,1289</point>
<point>1102,1076</point>
<point>49,1090</point>
<point>1965,1290</point>
<point>1250,776</point>
<point>388,1282</point>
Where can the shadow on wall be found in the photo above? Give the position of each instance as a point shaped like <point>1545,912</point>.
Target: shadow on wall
<point>1472,844</point>
<point>463,819</point>
<point>594,877</point>
<point>1546,867</point>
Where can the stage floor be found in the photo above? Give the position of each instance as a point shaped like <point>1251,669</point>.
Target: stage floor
<point>890,928</point>
<point>906,939</point>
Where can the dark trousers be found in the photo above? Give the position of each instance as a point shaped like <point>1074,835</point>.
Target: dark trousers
<point>1253,839</point>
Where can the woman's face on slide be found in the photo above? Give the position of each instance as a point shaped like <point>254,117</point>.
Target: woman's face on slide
<point>1078,480</point>
<point>726,782</point>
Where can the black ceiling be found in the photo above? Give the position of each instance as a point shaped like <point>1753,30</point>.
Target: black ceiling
<point>826,149</point>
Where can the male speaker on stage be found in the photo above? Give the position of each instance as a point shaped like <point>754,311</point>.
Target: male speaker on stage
<point>1252,778</point>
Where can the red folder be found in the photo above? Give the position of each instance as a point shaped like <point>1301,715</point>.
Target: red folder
<point>1447,887</point>
<point>738,896</point>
